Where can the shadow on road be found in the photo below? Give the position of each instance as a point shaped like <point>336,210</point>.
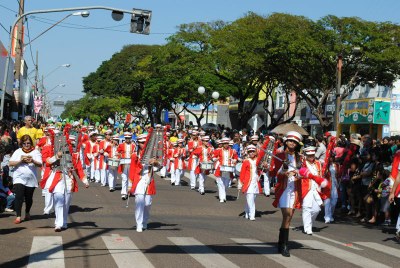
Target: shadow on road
<point>74,208</point>
<point>11,230</point>
<point>161,226</point>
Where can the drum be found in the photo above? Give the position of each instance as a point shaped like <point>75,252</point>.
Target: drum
<point>125,161</point>
<point>227,168</point>
<point>207,165</point>
<point>113,162</point>
<point>238,168</point>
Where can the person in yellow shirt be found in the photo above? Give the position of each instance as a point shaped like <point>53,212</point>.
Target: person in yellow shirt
<point>28,129</point>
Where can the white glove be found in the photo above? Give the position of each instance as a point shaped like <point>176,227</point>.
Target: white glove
<point>147,181</point>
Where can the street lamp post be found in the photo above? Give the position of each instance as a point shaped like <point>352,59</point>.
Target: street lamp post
<point>143,14</point>
<point>214,95</point>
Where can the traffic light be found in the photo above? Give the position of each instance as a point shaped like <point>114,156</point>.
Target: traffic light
<point>140,22</point>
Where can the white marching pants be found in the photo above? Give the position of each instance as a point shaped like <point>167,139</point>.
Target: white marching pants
<point>68,197</point>
<point>48,201</point>
<point>193,178</point>
<point>112,177</point>
<point>172,170</point>
<point>125,181</point>
<point>202,178</point>
<point>330,204</point>
<point>59,207</point>
<point>309,215</point>
<point>398,223</point>
<point>163,171</point>
<point>142,210</point>
<point>178,176</point>
<point>103,176</point>
<point>250,208</point>
<point>223,184</point>
<point>267,185</point>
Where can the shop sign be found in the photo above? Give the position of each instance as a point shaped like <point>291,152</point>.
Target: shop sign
<point>365,111</point>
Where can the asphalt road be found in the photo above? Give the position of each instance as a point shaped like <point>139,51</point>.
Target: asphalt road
<point>186,229</point>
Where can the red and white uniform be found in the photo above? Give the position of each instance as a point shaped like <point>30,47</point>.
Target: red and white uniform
<point>61,184</point>
<point>179,155</point>
<point>311,193</point>
<point>192,145</point>
<point>225,157</point>
<point>91,157</point>
<point>143,187</point>
<point>203,154</point>
<point>287,189</point>
<point>125,151</point>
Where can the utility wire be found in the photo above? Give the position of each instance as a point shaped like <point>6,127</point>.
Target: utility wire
<point>9,9</point>
<point>29,44</point>
<point>2,26</point>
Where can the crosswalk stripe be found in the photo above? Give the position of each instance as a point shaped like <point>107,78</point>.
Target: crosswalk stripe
<point>201,253</point>
<point>46,251</point>
<point>349,245</point>
<point>124,252</point>
<point>270,252</point>
<point>342,254</point>
<point>382,248</point>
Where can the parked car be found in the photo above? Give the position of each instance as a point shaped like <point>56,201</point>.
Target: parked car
<point>210,127</point>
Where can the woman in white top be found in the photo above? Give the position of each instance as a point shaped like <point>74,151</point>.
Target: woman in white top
<point>25,161</point>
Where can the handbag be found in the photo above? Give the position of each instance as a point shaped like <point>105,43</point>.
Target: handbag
<point>346,177</point>
<point>368,199</point>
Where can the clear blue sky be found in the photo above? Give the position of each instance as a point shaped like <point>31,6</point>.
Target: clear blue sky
<point>86,42</point>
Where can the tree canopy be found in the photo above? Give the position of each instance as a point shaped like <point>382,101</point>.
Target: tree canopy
<point>242,58</point>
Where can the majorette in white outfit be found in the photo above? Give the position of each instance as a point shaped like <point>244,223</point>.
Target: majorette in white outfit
<point>226,158</point>
<point>250,179</point>
<point>125,150</point>
<point>203,154</point>
<point>178,155</point>
<point>113,170</point>
<point>287,189</point>
<point>311,184</point>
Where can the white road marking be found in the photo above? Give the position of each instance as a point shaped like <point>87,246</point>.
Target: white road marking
<point>46,251</point>
<point>382,248</point>
<point>201,253</point>
<point>349,245</point>
<point>341,254</point>
<point>125,252</point>
<point>271,252</point>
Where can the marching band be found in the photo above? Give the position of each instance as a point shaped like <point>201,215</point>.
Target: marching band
<point>302,182</point>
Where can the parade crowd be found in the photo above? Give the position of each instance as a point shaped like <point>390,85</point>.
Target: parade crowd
<point>349,176</point>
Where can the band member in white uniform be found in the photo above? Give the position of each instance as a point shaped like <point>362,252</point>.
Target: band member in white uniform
<point>193,162</point>
<point>103,150</point>
<point>179,155</point>
<point>91,151</point>
<point>250,180</point>
<point>310,189</point>
<point>287,190</point>
<point>113,171</point>
<point>204,155</point>
<point>227,158</point>
<point>125,150</point>
<point>143,185</point>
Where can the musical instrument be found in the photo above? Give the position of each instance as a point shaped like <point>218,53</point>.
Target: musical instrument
<point>207,166</point>
<point>154,147</point>
<point>238,168</point>
<point>113,162</point>
<point>268,148</point>
<point>227,168</point>
<point>125,161</point>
